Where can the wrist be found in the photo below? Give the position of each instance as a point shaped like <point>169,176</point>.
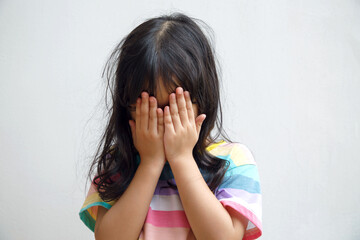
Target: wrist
<point>181,161</point>
<point>180,157</point>
<point>152,164</point>
<point>185,171</point>
<point>148,173</point>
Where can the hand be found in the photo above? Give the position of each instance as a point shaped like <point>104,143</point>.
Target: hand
<point>182,129</point>
<point>148,131</point>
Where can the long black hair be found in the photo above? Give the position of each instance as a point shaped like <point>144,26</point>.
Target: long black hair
<point>167,47</point>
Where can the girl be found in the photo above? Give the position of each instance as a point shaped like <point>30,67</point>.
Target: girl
<point>160,173</point>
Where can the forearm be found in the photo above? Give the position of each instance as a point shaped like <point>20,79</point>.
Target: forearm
<point>207,217</point>
<point>125,218</point>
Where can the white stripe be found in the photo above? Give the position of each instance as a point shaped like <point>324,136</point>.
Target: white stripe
<point>254,208</point>
<point>166,203</point>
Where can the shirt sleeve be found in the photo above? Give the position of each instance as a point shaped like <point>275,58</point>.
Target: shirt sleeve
<point>240,188</point>
<point>88,212</point>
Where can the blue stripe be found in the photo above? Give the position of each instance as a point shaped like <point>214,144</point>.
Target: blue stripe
<point>241,182</point>
<point>248,170</point>
<point>87,218</point>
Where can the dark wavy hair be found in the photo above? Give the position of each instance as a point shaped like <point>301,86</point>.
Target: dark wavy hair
<point>167,47</point>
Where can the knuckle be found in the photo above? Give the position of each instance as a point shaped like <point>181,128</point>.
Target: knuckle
<point>152,117</point>
<point>141,134</point>
<point>144,110</point>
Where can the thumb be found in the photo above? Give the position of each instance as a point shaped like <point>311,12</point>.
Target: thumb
<point>199,121</point>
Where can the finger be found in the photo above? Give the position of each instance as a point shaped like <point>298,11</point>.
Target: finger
<point>153,116</point>
<point>174,112</point>
<point>144,110</point>
<point>168,124</point>
<point>138,114</point>
<point>189,107</point>
<point>181,106</point>
<point>198,122</point>
<point>160,118</point>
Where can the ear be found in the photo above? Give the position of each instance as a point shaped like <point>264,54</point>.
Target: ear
<point>199,121</point>
<point>132,127</point>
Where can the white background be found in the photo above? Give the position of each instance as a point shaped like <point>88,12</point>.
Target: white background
<point>291,84</point>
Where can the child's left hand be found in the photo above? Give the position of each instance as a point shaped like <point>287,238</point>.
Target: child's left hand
<point>181,127</point>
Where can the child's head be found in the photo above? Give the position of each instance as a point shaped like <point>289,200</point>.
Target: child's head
<point>159,55</point>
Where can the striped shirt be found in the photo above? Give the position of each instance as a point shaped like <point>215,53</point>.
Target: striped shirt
<point>166,219</point>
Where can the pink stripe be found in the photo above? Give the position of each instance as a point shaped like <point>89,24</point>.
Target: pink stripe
<point>113,177</point>
<point>167,218</point>
<point>250,233</point>
<point>93,186</point>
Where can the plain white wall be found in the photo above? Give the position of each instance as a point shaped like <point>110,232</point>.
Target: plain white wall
<point>291,76</point>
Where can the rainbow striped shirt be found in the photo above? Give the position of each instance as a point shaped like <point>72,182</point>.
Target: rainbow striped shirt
<point>166,219</point>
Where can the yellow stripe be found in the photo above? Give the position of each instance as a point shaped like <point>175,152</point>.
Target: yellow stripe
<point>214,145</point>
<point>239,154</point>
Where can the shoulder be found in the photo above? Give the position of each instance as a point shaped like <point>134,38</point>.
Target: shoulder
<point>240,191</point>
<point>242,171</point>
<point>236,153</point>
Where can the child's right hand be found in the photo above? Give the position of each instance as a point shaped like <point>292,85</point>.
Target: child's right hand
<point>148,131</point>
